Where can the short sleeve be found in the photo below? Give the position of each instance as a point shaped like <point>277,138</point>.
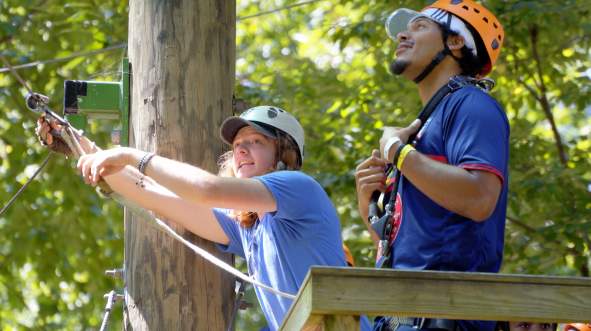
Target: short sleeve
<point>295,193</point>
<point>476,134</point>
<point>232,230</point>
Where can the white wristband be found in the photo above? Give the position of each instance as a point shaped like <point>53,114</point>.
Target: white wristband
<point>389,143</point>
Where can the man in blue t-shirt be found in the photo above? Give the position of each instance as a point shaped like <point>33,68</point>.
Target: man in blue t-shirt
<point>450,199</point>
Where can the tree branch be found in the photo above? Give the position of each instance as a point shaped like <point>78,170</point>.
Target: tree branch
<point>543,99</point>
<point>530,90</point>
<point>521,224</point>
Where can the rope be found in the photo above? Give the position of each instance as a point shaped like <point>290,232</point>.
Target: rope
<point>11,201</point>
<point>198,250</point>
<point>272,11</point>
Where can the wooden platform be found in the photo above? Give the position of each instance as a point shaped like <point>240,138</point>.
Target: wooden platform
<point>330,298</point>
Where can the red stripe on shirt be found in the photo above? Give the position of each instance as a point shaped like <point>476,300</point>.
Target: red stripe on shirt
<point>438,158</point>
<point>484,167</point>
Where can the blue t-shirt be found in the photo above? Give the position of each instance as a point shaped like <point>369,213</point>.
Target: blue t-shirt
<point>467,129</point>
<point>280,248</point>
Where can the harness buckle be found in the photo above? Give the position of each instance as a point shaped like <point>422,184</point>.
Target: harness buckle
<point>383,253</point>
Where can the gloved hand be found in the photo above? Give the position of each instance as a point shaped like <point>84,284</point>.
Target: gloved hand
<point>48,132</point>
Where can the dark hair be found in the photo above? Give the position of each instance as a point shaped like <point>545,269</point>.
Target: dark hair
<point>470,64</point>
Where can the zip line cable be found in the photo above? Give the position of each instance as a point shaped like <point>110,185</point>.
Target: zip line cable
<point>15,74</point>
<point>276,10</point>
<point>124,45</point>
<point>143,213</point>
<point>37,172</point>
<point>66,58</point>
<point>44,163</point>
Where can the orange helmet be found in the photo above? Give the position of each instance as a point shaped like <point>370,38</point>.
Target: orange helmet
<point>484,23</point>
<point>577,327</point>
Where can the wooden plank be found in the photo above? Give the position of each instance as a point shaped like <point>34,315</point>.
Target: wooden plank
<point>302,319</point>
<point>453,295</point>
<point>296,319</point>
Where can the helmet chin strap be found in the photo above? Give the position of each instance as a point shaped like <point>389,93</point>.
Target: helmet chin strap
<point>436,60</point>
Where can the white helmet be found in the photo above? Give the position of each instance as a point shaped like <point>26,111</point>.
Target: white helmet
<point>265,119</point>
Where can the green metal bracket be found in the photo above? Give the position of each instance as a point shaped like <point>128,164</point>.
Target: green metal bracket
<point>85,100</point>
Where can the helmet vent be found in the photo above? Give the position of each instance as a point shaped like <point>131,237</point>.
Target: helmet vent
<point>272,112</point>
<point>476,10</point>
<point>495,44</point>
<point>466,7</point>
<point>495,25</point>
<point>485,19</point>
<point>500,38</point>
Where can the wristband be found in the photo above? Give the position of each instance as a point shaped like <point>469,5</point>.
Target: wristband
<point>389,143</point>
<point>144,162</point>
<point>403,153</point>
<point>397,154</point>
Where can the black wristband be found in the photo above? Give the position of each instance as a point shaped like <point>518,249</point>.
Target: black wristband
<point>144,162</point>
<point>397,154</point>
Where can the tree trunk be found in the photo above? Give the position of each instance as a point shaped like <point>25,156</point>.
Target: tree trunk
<point>182,54</point>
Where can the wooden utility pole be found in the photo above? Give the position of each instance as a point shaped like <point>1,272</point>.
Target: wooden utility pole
<point>182,55</point>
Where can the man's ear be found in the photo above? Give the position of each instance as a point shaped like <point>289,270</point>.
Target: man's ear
<point>455,43</point>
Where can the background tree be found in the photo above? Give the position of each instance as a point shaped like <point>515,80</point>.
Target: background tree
<point>327,62</point>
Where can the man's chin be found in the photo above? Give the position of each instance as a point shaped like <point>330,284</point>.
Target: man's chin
<point>397,66</point>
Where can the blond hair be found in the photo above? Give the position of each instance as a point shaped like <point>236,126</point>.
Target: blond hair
<point>286,153</point>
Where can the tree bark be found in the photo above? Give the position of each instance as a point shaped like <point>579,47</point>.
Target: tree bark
<point>182,54</point>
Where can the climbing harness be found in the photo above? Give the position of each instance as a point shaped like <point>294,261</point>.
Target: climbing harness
<point>20,190</point>
<point>383,222</point>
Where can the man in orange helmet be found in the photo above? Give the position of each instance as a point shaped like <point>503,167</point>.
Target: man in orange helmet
<point>445,196</point>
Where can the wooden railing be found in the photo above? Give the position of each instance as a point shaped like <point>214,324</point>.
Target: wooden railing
<point>332,298</point>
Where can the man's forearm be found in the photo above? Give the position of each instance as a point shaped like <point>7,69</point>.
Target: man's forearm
<point>472,194</point>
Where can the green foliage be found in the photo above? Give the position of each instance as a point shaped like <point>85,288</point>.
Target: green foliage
<point>326,62</point>
<point>59,237</point>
